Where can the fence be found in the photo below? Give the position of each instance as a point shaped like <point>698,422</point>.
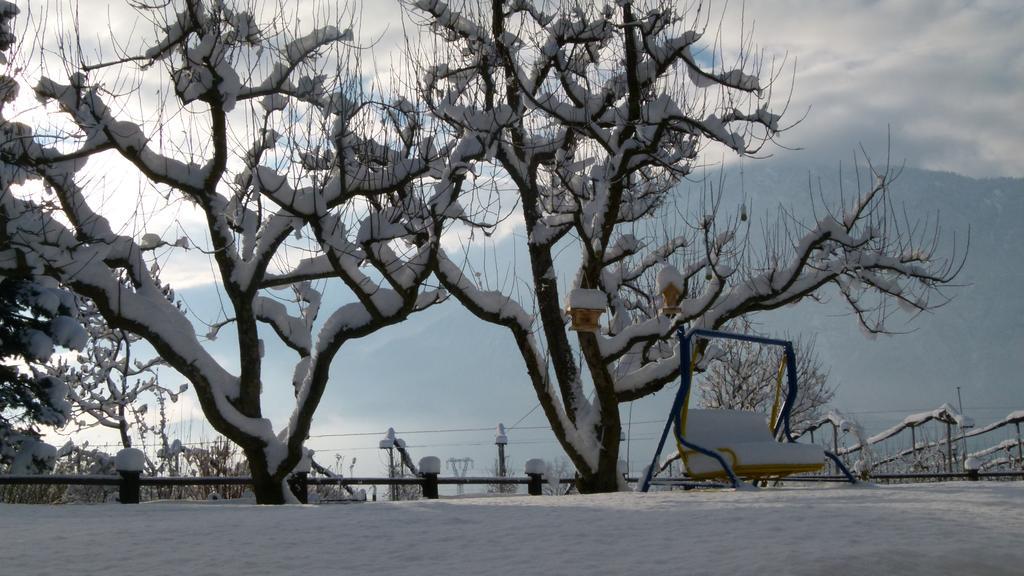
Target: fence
<point>130,484</point>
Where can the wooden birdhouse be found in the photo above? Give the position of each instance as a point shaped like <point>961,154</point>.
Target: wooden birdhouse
<point>669,283</point>
<point>585,306</point>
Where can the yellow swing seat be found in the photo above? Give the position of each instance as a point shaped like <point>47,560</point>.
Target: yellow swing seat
<point>744,439</point>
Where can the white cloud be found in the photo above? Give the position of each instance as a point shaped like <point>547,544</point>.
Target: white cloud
<point>947,77</point>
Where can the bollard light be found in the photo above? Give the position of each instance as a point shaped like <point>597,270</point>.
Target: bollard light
<point>129,463</point>
<point>535,468</point>
<point>430,467</point>
<point>130,460</point>
<point>973,466</point>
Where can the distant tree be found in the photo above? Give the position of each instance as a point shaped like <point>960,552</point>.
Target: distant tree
<point>495,471</point>
<point>745,377</point>
<point>588,116</point>
<point>109,386</point>
<point>560,468</point>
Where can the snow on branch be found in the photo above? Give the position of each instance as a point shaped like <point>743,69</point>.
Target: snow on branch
<point>85,107</point>
<point>492,305</point>
<point>293,331</point>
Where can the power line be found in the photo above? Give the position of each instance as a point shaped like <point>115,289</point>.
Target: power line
<point>524,418</point>
<point>491,428</point>
<point>438,430</point>
<point>451,430</point>
<point>357,434</point>
<point>458,444</point>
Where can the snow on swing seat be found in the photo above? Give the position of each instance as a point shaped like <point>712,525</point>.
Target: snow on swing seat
<point>744,440</point>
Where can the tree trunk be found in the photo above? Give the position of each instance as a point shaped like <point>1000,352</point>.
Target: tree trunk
<point>267,489</point>
<point>265,486</point>
<point>604,479</point>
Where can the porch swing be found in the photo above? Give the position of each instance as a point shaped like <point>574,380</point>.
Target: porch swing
<point>717,444</point>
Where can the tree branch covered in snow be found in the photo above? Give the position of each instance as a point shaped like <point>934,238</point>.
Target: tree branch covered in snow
<point>302,178</point>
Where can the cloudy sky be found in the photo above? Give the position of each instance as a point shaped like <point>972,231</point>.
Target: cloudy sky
<point>946,77</point>
<point>943,81</point>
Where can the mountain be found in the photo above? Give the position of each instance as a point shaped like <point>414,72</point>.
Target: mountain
<point>974,342</point>
<point>445,369</point>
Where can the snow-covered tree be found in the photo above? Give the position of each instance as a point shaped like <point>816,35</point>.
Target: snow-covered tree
<point>256,122</point>
<point>588,116</point>
<point>34,318</point>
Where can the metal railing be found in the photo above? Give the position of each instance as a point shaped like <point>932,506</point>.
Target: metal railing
<point>914,476</point>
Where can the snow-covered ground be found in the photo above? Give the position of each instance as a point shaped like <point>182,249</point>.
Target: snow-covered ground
<point>953,528</point>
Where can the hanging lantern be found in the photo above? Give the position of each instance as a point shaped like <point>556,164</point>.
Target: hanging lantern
<point>669,283</point>
<point>585,307</point>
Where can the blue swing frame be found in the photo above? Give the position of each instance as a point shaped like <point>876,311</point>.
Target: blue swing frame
<point>781,432</point>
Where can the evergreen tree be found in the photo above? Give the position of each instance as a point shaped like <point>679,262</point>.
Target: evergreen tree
<point>25,400</point>
<point>31,320</point>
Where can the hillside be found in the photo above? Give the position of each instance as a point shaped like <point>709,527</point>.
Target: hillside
<point>973,342</point>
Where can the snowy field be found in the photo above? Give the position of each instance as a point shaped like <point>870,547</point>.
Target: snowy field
<point>954,528</point>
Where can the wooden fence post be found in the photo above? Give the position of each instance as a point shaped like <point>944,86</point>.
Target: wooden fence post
<point>129,463</point>
<point>430,467</point>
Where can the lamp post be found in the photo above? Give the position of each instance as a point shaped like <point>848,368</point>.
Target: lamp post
<point>388,443</point>
<point>500,440</point>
